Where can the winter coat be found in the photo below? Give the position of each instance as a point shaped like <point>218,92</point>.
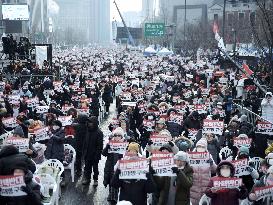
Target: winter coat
<point>10,158</point>
<point>95,106</point>
<point>174,128</point>
<point>267,200</point>
<point>201,179</point>
<point>214,148</point>
<point>184,182</point>
<point>133,190</point>
<point>107,96</point>
<point>112,159</point>
<point>267,110</point>
<point>55,146</point>
<point>93,144</point>
<point>33,196</point>
<point>80,132</point>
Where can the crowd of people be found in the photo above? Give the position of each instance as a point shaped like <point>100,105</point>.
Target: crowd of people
<point>177,137</point>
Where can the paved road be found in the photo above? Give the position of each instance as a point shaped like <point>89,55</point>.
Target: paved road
<point>75,193</point>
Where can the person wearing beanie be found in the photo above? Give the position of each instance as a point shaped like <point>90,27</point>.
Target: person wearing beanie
<point>248,180</point>
<point>245,127</point>
<point>133,190</point>
<point>92,149</point>
<point>201,173</point>
<point>112,159</point>
<point>183,143</point>
<point>176,189</point>
<point>213,146</point>
<point>266,180</point>
<point>225,196</point>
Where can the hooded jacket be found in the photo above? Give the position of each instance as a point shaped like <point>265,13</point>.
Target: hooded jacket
<point>10,159</point>
<point>93,142</point>
<point>226,196</point>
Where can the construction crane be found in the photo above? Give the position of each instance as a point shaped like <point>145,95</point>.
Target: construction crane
<point>131,40</point>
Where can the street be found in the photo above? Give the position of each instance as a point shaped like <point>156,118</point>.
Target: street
<point>77,194</point>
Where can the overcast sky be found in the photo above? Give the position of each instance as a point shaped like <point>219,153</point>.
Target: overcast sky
<point>125,5</point>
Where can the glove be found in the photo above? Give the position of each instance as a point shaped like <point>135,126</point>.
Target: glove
<point>251,164</point>
<point>171,143</point>
<point>210,162</point>
<point>249,169</point>
<point>175,170</point>
<point>26,189</point>
<point>150,142</point>
<point>105,183</point>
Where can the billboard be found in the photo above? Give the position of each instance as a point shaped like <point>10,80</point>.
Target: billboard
<point>15,12</point>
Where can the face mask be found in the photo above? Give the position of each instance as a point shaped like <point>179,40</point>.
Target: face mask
<point>55,127</point>
<point>200,149</point>
<point>270,161</point>
<point>225,172</point>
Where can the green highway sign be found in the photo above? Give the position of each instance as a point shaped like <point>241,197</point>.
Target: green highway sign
<point>154,29</point>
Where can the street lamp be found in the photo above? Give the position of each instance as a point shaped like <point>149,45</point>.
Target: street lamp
<point>224,16</point>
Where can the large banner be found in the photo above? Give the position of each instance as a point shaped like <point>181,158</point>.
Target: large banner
<point>133,168</point>
<point>11,186</point>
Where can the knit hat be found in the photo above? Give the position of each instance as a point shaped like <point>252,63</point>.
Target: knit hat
<point>182,145</point>
<point>182,156</point>
<point>18,131</point>
<point>202,143</point>
<point>133,146</point>
<point>118,131</point>
<point>270,170</point>
<point>57,123</point>
<point>269,156</point>
<point>243,150</point>
<point>167,147</point>
<point>3,111</point>
<point>243,118</point>
<point>268,93</point>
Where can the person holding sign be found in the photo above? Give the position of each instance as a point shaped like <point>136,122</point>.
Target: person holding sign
<point>266,186</point>
<point>133,190</point>
<point>248,180</point>
<point>225,194</point>
<point>112,159</point>
<point>176,190</point>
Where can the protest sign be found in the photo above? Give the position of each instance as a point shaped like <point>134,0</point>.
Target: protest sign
<point>130,104</point>
<point>187,94</point>
<point>201,108</point>
<point>213,126</point>
<point>265,128</point>
<point>133,168</point>
<point>32,102</point>
<point>21,143</point>
<point>117,147</point>
<point>156,153</point>
<point>57,85</point>
<point>192,134</point>
<point>238,142</point>
<point>226,183</point>
<point>176,118</point>
<point>142,108</point>
<point>199,158</point>
<point>240,167</point>
<point>125,96</point>
<point>14,99</point>
<point>66,108</point>
<point>84,111</point>
<point>263,192</point>
<point>187,83</point>
<point>65,120</point>
<point>204,92</point>
<point>158,140</point>
<point>41,134</point>
<point>11,186</point>
<point>42,109</point>
<point>180,108</point>
<point>149,125</point>
<point>9,122</point>
<point>163,166</point>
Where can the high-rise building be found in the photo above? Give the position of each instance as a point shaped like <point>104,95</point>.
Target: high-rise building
<point>89,18</point>
<point>148,9</point>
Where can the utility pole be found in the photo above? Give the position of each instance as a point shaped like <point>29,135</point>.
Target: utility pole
<point>128,32</point>
<point>185,19</point>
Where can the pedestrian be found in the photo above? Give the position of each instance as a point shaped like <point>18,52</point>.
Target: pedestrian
<point>176,190</point>
<point>267,107</point>
<point>92,150</point>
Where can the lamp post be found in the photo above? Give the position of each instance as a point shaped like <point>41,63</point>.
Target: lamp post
<point>224,20</point>
<point>185,18</point>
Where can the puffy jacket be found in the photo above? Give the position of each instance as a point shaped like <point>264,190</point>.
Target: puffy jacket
<point>201,179</point>
<point>174,128</point>
<point>213,148</point>
<point>55,146</point>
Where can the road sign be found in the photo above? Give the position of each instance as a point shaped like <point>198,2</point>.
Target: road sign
<point>154,29</point>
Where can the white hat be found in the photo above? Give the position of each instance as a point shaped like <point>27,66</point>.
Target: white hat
<point>269,156</point>
<point>118,131</point>
<point>269,93</point>
<point>124,203</point>
<point>182,156</point>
